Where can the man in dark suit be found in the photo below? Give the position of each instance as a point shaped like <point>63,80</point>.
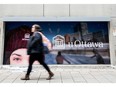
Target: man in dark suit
<point>35,49</point>
<point>99,58</point>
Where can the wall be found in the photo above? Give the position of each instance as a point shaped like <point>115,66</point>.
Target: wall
<point>66,10</point>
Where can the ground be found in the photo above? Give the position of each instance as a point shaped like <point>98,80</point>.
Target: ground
<point>63,74</point>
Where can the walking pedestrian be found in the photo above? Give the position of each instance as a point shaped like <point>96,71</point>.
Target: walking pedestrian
<point>35,49</point>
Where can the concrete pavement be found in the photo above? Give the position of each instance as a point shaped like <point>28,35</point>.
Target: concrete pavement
<point>63,74</point>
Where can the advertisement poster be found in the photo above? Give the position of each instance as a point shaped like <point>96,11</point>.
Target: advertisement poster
<point>72,43</point>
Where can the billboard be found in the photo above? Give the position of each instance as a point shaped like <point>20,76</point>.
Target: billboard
<point>71,42</point>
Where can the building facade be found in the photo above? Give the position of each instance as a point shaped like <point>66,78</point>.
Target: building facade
<point>83,12</point>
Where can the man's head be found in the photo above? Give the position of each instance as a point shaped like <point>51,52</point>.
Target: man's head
<point>95,51</point>
<point>59,53</point>
<point>36,27</point>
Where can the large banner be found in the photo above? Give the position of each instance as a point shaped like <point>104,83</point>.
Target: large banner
<point>70,42</point>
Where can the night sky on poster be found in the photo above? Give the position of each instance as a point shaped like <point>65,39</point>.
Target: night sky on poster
<point>50,29</point>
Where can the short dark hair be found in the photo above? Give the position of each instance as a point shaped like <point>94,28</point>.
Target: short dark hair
<point>95,51</point>
<point>59,53</point>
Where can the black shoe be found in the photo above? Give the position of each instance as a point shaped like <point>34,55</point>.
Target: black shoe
<point>26,78</point>
<point>50,76</point>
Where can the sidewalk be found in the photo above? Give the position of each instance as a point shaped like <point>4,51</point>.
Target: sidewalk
<point>63,74</point>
